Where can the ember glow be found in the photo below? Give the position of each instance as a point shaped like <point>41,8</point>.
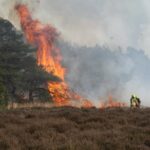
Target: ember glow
<point>110,103</point>
<point>49,56</point>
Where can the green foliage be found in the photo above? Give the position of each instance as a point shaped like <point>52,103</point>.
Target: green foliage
<point>19,73</point>
<point>42,95</point>
<point>2,93</point>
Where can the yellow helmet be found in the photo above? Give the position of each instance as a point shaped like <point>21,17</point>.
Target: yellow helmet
<point>133,95</point>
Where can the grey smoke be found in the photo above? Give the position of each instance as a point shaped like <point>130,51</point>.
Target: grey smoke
<point>97,72</point>
<point>98,37</point>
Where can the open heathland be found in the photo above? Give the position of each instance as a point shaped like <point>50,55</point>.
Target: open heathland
<point>68,128</point>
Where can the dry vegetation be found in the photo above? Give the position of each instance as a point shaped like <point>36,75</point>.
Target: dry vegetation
<point>70,128</point>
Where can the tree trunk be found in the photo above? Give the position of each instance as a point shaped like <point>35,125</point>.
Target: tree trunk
<point>31,95</point>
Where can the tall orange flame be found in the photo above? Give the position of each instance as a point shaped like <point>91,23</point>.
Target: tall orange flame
<point>48,55</point>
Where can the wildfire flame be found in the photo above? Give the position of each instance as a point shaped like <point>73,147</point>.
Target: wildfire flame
<point>111,103</point>
<point>48,55</point>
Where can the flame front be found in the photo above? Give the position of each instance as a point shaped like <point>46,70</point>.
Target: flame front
<point>110,103</point>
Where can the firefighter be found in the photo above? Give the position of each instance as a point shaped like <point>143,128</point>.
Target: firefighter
<point>135,101</point>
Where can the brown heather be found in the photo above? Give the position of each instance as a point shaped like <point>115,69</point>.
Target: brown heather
<point>68,128</point>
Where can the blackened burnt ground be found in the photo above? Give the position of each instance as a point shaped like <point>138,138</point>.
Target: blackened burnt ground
<point>68,128</point>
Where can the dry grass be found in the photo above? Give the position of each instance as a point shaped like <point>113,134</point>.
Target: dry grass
<point>68,128</point>
<point>29,105</point>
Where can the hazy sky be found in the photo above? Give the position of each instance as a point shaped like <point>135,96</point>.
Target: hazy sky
<point>115,24</point>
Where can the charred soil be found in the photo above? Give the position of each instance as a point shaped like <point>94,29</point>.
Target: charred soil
<point>68,128</point>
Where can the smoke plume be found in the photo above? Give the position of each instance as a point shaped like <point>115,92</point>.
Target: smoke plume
<point>97,72</point>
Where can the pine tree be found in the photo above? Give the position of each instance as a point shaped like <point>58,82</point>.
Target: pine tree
<point>19,72</point>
